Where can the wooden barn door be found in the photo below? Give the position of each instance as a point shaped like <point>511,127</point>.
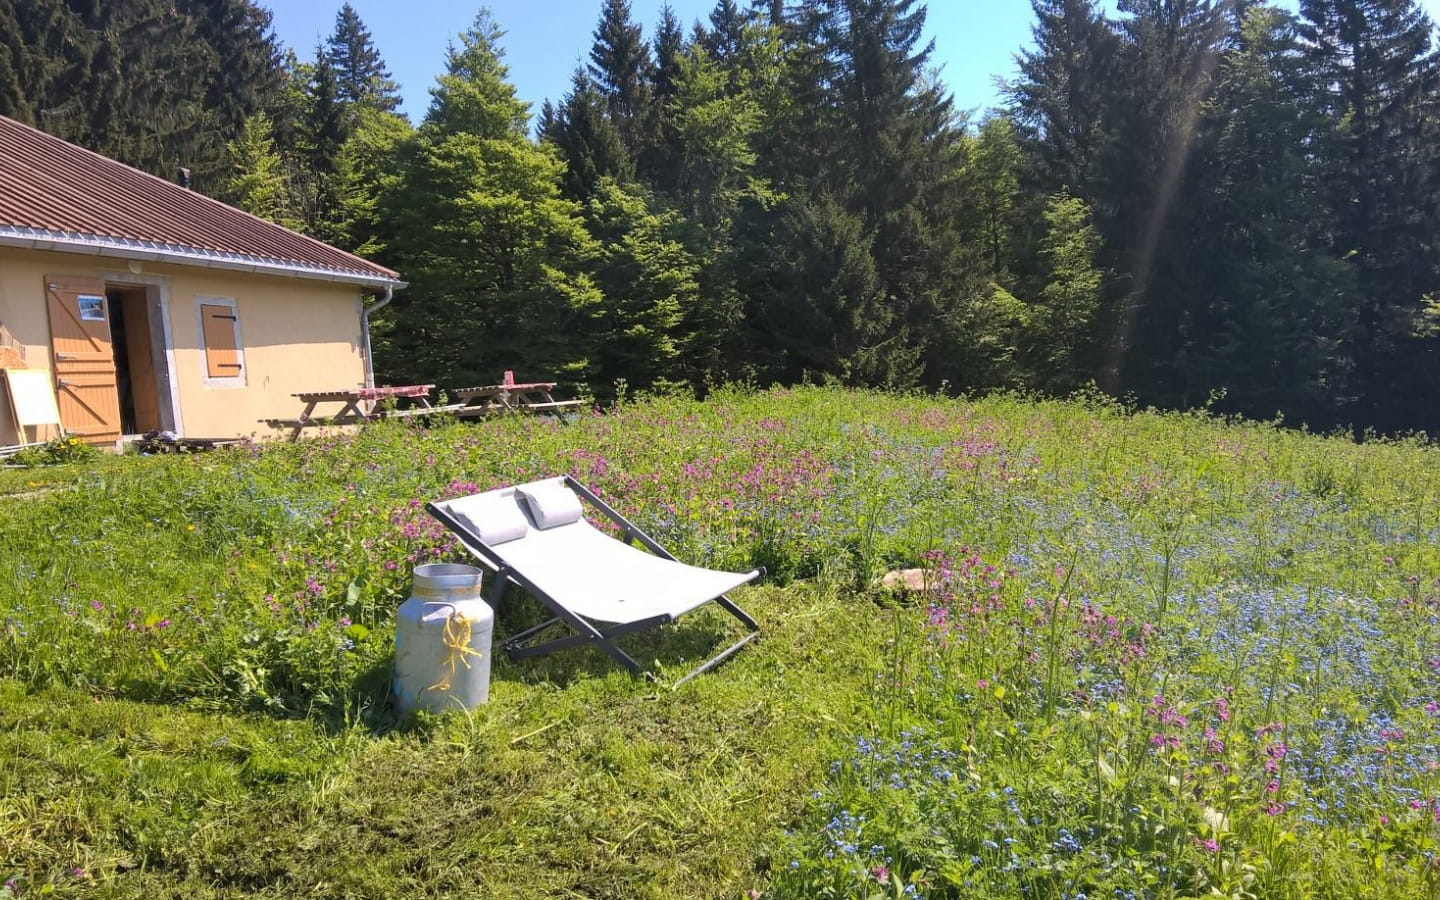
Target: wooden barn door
<point>84,370</point>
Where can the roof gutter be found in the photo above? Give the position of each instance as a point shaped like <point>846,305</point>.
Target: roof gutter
<point>365,331</point>
<point>156,251</point>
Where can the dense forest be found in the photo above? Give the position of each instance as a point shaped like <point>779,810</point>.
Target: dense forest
<point>1193,202</point>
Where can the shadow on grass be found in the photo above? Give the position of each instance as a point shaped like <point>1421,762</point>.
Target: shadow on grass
<point>366,703</point>
<point>667,652</point>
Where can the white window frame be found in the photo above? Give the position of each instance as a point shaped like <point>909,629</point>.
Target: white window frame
<point>224,382</point>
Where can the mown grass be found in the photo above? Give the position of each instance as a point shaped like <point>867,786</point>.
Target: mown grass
<point>608,786</point>
<point>195,654</point>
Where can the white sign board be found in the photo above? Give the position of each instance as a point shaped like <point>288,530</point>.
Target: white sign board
<point>32,397</point>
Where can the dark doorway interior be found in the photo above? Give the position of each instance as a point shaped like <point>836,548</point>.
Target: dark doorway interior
<point>134,359</point>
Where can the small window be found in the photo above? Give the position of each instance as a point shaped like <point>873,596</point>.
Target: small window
<point>220,333</point>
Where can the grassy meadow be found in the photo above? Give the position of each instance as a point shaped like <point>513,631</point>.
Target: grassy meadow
<point>1157,656</point>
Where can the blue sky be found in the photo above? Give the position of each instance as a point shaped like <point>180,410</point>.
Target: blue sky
<point>544,39</point>
<point>975,40</point>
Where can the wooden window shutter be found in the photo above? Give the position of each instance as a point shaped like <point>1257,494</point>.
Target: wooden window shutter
<point>222,355</point>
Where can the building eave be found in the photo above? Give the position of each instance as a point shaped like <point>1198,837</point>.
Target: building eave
<point>155,251</point>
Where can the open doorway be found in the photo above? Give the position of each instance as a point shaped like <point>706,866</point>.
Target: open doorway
<point>136,354</point>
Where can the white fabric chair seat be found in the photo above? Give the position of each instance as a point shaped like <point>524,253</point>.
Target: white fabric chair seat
<point>592,574</point>
<point>606,580</point>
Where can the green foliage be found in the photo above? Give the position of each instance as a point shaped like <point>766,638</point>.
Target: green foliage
<point>472,96</point>
<point>714,130</point>
<point>1063,323</point>
<point>620,65</point>
<point>991,173</point>
<point>365,167</point>
<point>1249,194</point>
<point>259,185</point>
<point>1121,609</point>
<point>362,79</point>
<point>54,453</point>
<point>585,136</point>
<point>495,255</point>
<point>650,283</point>
<point>1062,97</point>
<point>155,85</point>
<point>818,306</point>
<point>1372,68</point>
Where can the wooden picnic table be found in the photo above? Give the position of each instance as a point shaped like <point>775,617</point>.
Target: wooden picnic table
<point>357,405</point>
<point>533,397</point>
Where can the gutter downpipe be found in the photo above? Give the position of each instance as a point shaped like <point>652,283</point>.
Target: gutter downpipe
<point>365,331</point>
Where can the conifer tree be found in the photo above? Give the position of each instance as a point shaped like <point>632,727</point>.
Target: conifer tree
<point>714,131</point>
<point>1061,339</point>
<point>365,166</point>
<point>325,129</point>
<point>669,44</point>
<point>1269,327</point>
<point>620,65</point>
<point>1375,76</point>
<point>258,184</point>
<point>726,35</point>
<point>360,74</point>
<point>586,139</point>
<point>497,259</point>
<point>1169,63</point>
<point>658,162</point>
<point>651,287</point>
<point>156,85</point>
<point>889,138</point>
<point>815,304</point>
<point>1066,79</point>
<point>242,77</point>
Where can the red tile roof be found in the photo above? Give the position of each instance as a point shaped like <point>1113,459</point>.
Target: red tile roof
<point>60,194</point>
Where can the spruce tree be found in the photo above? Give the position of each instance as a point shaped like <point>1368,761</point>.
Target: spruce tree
<point>669,44</point>
<point>651,284</point>
<point>1271,323</point>
<point>258,184</point>
<point>621,67</point>
<point>1060,98</point>
<point>889,136</point>
<point>244,75</point>
<point>658,162</point>
<point>1375,77</point>
<point>153,84</point>
<point>326,127</point>
<point>366,164</point>
<point>1169,65</point>
<point>496,257</point>
<point>726,35</point>
<point>1059,348</point>
<point>586,139</point>
<point>816,308</point>
<point>714,131</point>
<point>360,74</point>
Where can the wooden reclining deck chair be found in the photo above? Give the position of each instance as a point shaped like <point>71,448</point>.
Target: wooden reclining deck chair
<point>535,536</point>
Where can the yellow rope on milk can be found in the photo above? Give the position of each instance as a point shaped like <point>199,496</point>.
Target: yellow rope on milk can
<point>456,639</point>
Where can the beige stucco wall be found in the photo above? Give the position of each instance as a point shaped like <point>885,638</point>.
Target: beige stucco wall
<point>296,335</point>
<point>23,313</point>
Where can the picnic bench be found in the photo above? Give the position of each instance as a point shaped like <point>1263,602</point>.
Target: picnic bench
<point>508,396</point>
<point>357,406</point>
